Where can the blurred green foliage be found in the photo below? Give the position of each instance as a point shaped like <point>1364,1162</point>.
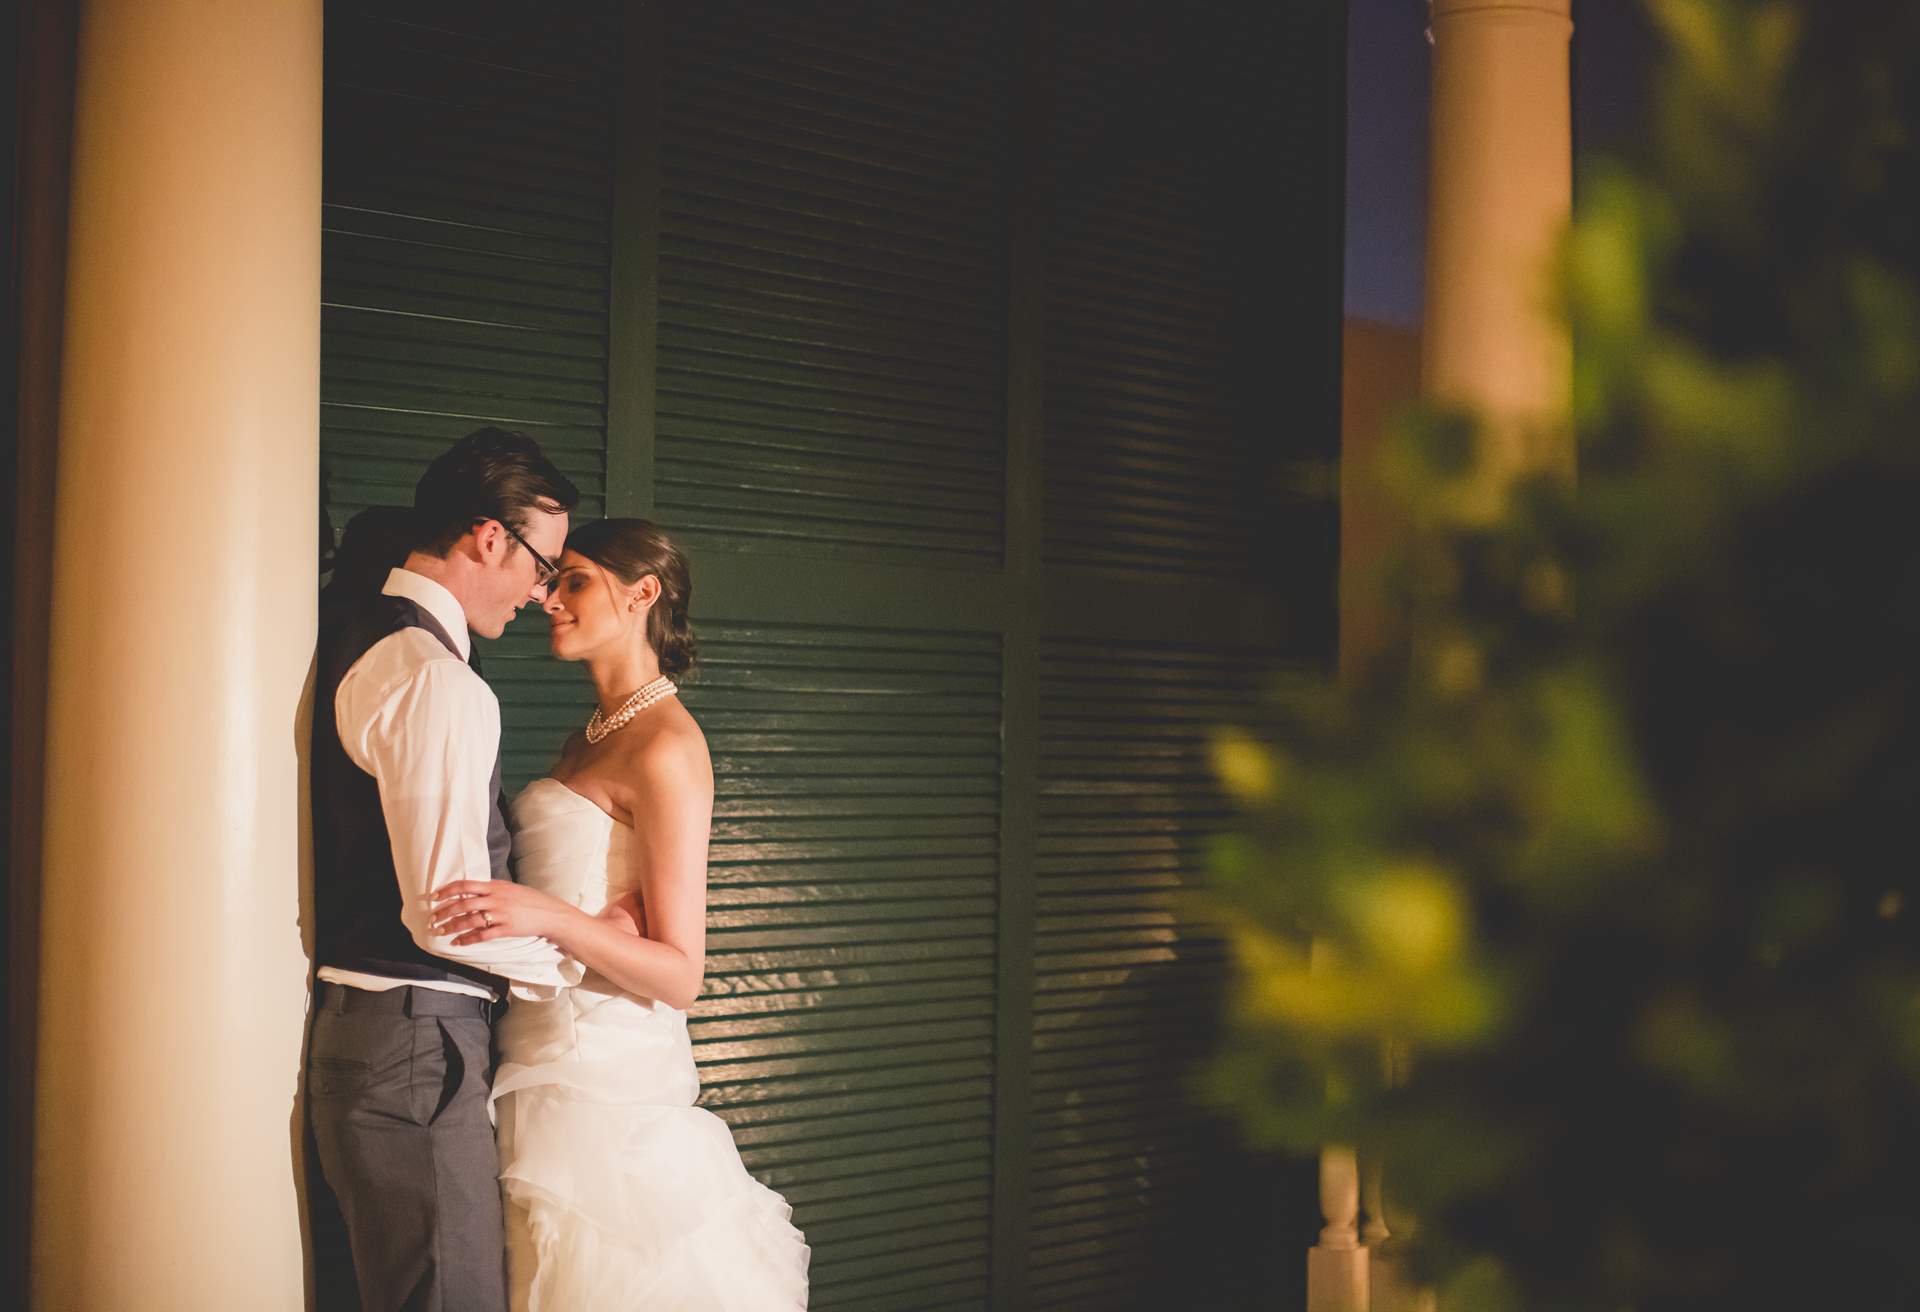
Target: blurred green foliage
<point>1617,847</point>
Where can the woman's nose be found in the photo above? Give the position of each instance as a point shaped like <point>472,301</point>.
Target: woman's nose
<point>550,601</point>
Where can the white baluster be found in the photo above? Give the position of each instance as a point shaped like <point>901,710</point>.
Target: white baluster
<point>1337,1265</point>
<point>1373,1231</point>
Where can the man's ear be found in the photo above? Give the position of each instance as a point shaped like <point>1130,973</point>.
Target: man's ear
<point>486,539</point>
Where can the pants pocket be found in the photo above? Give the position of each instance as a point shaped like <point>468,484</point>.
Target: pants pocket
<point>427,1072</point>
<point>352,1054</point>
<point>463,1070</point>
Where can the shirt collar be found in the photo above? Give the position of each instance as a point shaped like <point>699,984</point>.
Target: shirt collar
<point>436,601</point>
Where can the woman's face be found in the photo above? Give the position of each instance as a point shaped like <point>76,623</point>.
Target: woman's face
<point>588,608</point>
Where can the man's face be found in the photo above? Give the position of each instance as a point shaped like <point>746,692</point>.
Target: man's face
<point>512,572</point>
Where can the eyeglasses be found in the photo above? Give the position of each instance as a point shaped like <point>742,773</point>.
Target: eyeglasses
<point>547,570</point>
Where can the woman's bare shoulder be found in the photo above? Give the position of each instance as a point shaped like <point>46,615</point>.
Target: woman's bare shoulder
<point>668,752</point>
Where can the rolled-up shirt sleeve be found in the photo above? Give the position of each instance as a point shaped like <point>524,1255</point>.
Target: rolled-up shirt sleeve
<point>430,738</point>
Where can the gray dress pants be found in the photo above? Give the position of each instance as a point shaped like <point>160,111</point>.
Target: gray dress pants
<point>397,1087</point>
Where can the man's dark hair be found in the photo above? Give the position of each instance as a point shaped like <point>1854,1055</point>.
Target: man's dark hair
<point>493,473</point>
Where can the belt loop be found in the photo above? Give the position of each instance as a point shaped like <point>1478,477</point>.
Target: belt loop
<point>407,996</point>
<point>335,997</point>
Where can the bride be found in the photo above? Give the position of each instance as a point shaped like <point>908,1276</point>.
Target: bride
<point>620,1192</point>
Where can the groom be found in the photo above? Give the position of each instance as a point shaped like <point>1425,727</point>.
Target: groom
<point>406,797</point>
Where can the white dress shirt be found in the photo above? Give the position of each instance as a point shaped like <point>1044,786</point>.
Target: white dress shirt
<point>418,719</point>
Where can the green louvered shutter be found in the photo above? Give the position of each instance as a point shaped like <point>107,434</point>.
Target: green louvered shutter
<point>465,270</point>
<point>829,397</point>
<point>831,314</point>
<point>1189,285</point>
<point>1136,1200</point>
<point>847,1029</point>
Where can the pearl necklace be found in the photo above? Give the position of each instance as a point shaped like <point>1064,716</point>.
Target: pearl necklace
<point>599,726</point>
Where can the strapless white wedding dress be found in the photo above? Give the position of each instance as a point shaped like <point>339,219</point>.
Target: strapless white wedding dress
<point>620,1192</point>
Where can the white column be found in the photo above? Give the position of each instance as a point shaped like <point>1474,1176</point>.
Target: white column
<point>172,971</point>
<point>1500,193</point>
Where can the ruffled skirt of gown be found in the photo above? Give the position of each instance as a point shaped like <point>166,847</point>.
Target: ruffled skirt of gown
<point>616,1204</point>
<point>621,1194</point>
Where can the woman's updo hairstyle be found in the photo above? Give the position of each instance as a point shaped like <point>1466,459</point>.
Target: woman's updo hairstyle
<point>631,549</point>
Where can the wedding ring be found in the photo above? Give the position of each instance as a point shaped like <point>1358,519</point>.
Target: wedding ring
<point>488,917</point>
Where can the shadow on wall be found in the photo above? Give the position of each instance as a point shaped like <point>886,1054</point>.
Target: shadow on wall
<point>372,543</point>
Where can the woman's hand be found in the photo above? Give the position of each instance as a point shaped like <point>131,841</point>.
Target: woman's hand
<point>479,909</point>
